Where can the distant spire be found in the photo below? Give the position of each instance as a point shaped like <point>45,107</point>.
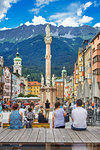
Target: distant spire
<point>17,54</point>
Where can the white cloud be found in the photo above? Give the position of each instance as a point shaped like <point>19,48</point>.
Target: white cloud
<point>85,19</point>
<point>28,23</point>
<point>35,10</point>
<point>38,20</point>
<point>96,4</point>
<point>79,12</point>
<point>86,5</point>
<point>73,16</point>
<point>4,6</point>
<point>40,4</point>
<point>97,25</point>
<point>43,2</point>
<point>6,18</point>
<point>4,28</point>
<point>70,22</point>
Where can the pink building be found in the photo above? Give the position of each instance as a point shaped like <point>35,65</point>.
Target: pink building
<point>7,84</point>
<point>95,43</point>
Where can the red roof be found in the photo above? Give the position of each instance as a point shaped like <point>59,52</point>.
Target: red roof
<point>34,83</point>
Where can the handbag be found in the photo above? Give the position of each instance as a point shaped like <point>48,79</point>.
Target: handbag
<point>67,118</point>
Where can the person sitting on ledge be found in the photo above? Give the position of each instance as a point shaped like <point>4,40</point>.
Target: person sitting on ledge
<point>58,117</point>
<point>79,116</point>
<point>15,118</point>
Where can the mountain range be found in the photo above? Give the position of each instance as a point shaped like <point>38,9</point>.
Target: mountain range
<point>30,42</point>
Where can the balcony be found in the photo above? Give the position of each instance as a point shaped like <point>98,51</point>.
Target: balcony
<point>97,52</point>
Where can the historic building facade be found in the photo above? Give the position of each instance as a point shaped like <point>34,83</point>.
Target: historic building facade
<point>88,66</point>
<point>95,45</point>
<point>7,84</point>
<point>34,88</point>
<point>1,77</point>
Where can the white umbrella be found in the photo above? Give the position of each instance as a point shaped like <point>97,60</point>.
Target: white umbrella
<point>79,91</point>
<point>86,90</point>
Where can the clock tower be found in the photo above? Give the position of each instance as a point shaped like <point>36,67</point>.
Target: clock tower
<point>17,67</point>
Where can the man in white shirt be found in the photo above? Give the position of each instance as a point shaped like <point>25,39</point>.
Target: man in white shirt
<point>79,116</point>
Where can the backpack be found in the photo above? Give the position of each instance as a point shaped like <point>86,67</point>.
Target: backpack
<point>29,116</point>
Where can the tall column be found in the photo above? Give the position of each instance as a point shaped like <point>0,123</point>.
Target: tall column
<point>48,40</point>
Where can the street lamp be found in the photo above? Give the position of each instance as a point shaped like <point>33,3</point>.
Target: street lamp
<point>85,41</point>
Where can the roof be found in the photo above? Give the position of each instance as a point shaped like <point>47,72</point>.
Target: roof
<point>95,36</point>
<point>64,70</point>
<point>59,80</point>
<point>80,49</point>
<point>34,83</point>
<point>17,57</point>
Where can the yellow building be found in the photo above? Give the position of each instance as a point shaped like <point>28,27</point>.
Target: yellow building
<point>88,68</point>
<point>80,65</point>
<point>34,88</point>
<point>78,71</point>
<point>76,79</point>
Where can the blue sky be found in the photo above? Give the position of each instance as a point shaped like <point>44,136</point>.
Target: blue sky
<point>14,13</point>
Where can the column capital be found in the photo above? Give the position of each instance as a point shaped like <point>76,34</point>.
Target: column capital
<point>48,40</point>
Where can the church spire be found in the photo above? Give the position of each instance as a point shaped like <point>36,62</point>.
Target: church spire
<point>17,67</point>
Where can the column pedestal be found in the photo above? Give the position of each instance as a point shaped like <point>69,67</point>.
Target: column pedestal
<point>47,93</point>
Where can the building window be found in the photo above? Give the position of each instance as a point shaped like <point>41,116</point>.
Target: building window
<point>99,84</point>
<point>89,64</point>
<point>57,89</point>
<point>77,72</point>
<point>34,87</point>
<point>80,59</point>
<point>89,75</point>
<point>93,50</point>
<point>98,46</point>
<point>96,71</point>
<point>76,81</point>
<point>96,59</point>
<point>81,68</point>
<point>80,78</point>
<point>37,87</point>
<point>62,90</point>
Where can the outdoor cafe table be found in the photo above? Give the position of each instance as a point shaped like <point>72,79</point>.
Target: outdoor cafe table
<point>48,136</point>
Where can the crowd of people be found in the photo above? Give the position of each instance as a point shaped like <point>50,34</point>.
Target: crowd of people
<point>21,115</point>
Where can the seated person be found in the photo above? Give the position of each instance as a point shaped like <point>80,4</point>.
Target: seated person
<point>41,116</point>
<point>15,118</point>
<point>58,116</point>
<point>79,116</point>
<point>29,117</point>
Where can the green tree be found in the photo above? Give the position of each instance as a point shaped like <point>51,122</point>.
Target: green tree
<point>21,95</point>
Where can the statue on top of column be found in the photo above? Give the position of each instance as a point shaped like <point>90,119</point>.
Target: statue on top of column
<point>47,30</point>
<point>48,81</point>
<point>53,80</point>
<point>42,80</point>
